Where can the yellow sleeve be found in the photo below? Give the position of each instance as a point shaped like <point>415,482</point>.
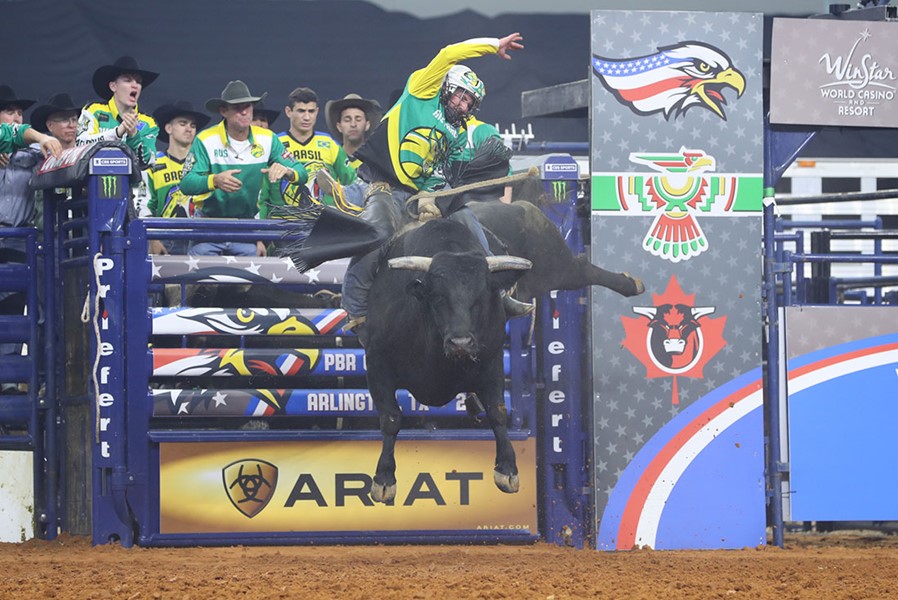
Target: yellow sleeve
<point>426,82</point>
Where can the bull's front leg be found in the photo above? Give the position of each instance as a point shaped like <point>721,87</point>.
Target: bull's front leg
<point>383,487</point>
<point>506,474</point>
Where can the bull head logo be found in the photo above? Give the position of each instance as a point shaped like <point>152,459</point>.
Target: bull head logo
<point>676,338</point>
<point>250,484</point>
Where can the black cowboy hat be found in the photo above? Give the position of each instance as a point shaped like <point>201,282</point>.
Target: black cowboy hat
<point>271,115</point>
<point>8,97</point>
<point>122,65</point>
<point>56,104</point>
<point>333,108</point>
<point>167,112</point>
<point>236,92</point>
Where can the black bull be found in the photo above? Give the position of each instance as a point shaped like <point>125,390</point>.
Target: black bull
<point>436,327</point>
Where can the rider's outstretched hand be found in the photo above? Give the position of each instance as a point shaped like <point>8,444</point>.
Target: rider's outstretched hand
<point>510,42</point>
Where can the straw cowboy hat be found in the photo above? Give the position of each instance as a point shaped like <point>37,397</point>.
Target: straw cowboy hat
<point>236,92</point>
<point>165,113</point>
<point>122,65</point>
<point>56,104</point>
<point>334,108</point>
<point>8,97</point>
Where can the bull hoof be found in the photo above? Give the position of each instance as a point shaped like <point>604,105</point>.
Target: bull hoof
<point>509,484</point>
<point>638,286</point>
<point>382,493</point>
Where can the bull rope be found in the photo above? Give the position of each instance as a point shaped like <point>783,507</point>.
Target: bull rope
<point>85,318</point>
<point>531,172</point>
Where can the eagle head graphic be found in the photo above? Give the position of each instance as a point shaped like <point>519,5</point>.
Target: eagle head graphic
<point>673,80</point>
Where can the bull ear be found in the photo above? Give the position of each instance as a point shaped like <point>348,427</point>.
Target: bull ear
<point>416,288</point>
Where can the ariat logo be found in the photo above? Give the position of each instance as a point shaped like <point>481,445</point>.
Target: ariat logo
<point>559,191</point>
<point>250,484</point>
<point>109,186</point>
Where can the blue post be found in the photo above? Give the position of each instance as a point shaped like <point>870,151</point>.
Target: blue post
<point>780,149</point>
<point>108,198</point>
<point>564,372</point>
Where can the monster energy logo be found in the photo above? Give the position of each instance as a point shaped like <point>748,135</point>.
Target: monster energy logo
<point>559,191</point>
<point>109,186</point>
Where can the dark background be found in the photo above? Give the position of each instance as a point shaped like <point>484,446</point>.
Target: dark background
<point>333,47</point>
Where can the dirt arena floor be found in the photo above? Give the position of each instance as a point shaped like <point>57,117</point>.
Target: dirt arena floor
<point>831,566</point>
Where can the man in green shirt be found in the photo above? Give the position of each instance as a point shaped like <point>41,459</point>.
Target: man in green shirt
<point>118,118</point>
<point>230,160</point>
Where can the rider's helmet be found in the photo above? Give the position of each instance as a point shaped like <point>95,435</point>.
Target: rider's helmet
<point>462,77</point>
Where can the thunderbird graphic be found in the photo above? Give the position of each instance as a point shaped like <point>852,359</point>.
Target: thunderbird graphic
<point>675,233</point>
<point>671,81</point>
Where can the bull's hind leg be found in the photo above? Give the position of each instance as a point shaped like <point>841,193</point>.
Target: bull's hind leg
<point>383,486</point>
<point>506,474</point>
<point>622,283</point>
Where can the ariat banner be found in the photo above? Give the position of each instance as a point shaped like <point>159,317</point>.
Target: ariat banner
<point>324,486</point>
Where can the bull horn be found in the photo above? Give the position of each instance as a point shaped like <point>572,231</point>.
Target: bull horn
<point>503,263</point>
<point>702,311</point>
<point>412,263</point>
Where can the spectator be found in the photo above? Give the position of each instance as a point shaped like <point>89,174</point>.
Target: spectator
<point>264,117</point>
<point>316,150</point>
<point>118,118</point>
<point>408,151</point>
<point>230,160</point>
<point>12,110</point>
<point>59,118</point>
<point>179,123</point>
<point>16,200</point>
<point>349,121</point>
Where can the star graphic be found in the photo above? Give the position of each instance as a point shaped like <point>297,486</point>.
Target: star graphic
<point>230,259</point>
<point>253,268</point>
<point>219,399</point>
<point>193,263</point>
<point>313,275</point>
<point>275,278</point>
<point>157,270</point>
<point>184,409</point>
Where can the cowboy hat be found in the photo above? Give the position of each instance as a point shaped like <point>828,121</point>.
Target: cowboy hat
<point>236,92</point>
<point>167,112</point>
<point>8,97</point>
<point>334,108</point>
<point>270,115</point>
<point>60,103</point>
<point>121,66</point>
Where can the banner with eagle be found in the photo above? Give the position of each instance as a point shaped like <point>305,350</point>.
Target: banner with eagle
<point>676,159</point>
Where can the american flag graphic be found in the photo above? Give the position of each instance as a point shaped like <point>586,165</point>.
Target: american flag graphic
<point>670,81</point>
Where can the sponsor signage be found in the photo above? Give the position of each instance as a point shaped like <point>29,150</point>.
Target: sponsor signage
<point>676,163</point>
<point>834,72</point>
<point>110,162</point>
<point>324,486</point>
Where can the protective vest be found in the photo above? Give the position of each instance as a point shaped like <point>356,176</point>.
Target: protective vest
<point>166,197</point>
<point>413,141</point>
<point>99,120</point>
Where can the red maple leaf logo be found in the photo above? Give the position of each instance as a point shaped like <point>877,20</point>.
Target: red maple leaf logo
<point>674,338</point>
